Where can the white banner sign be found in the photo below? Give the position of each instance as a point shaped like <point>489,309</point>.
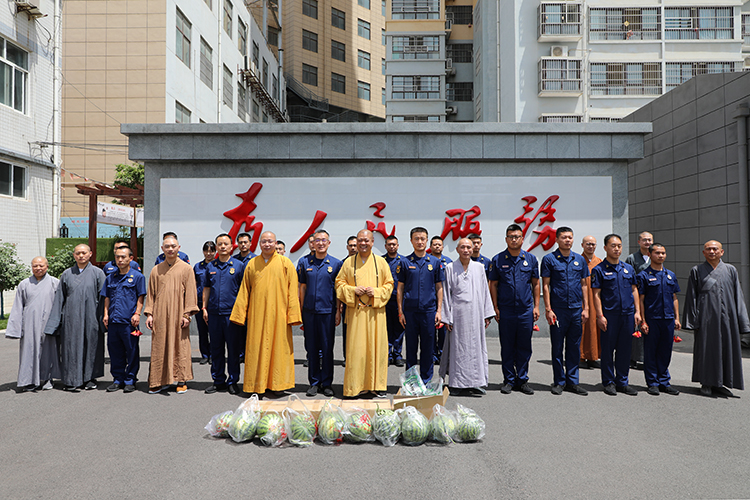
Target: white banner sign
<point>118,215</point>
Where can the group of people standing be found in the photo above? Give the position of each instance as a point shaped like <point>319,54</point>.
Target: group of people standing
<point>245,306</point>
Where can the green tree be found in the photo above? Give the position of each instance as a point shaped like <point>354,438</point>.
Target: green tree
<point>61,261</point>
<point>131,176</point>
<point>12,271</point>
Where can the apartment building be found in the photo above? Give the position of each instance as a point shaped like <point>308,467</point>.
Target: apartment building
<point>334,53</point>
<point>160,61</point>
<point>29,126</point>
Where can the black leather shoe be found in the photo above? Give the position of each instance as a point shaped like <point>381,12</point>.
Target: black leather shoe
<point>609,390</point>
<point>215,388</point>
<point>653,390</point>
<point>114,387</point>
<point>724,392</point>
<point>706,391</point>
<point>526,389</point>
<point>557,389</point>
<point>477,391</point>
<point>312,391</point>
<point>576,389</point>
<point>233,389</point>
<point>669,390</point>
<point>626,389</point>
<point>328,392</point>
<point>506,388</point>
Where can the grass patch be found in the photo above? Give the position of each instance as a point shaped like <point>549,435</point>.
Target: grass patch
<point>3,323</point>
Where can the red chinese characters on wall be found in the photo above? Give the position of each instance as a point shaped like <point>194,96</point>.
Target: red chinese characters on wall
<point>380,227</point>
<point>461,222</point>
<point>241,215</point>
<point>545,235</point>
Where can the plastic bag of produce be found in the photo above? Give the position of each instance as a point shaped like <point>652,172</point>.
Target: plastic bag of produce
<point>331,423</point>
<point>443,425</point>
<point>357,426</point>
<point>411,382</point>
<point>245,420</point>
<point>386,426</point>
<point>218,426</point>
<point>300,424</point>
<point>470,426</point>
<point>270,429</point>
<point>414,426</point>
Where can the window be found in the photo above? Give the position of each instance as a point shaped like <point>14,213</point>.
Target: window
<point>559,19</point>
<point>338,83</point>
<point>382,96</point>
<point>425,118</point>
<point>625,79</point>
<point>560,119</point>
<point>459,52</point>
<point>382,8</point>
<point>241,37</point>
<point>382,66</point>
<point>459,91</point>
<point>256,111</point>
<point>273,36</point>
<point>382,37</point>
<point>338,51</point>
<point>363,29</point>
<point>698,23</point>
<point>309,41</point>
<point>363,59</point>
<point>603,119</point>
<point>364,3</point>
<point>415,9</point>
<point>14,66</point>
<point>209,3</point>
<point>338,18</point>
<point>182,45</point>
<point>461,14</point>
<point>242,103</point>
<point>363,90</point>
<point>275,88</point>
<point>265,74</point>
<point>310,8</point>
<point>228,17</point>
<point>415,47</point>
<point>265,117</point>
<point>679,73</point>
<point>228,90</point>
<point>309,75</point>
<point>12,180</point>
<point>181,113</point>
<point>207,67</point>
<point>746,29</point>
<point>559,75</point>
<point>416,87</point>
<point>625,23</point>
<point>256,55</point>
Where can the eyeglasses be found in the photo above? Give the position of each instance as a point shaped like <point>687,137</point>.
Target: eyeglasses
<point>320,240</point>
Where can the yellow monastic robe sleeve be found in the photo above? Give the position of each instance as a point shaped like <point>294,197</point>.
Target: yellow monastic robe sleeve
<point>239,311</point>
<point>344,284</point>
<point>383,293</point>
<point>293,311</point>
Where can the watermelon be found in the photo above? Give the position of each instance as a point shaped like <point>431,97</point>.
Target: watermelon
<point>271,429</point>
<point>302,429</point>
<point>242,427</point>
<point>329,427</point>
<point>358,427</point>
<point>470,425</point>
<point>218,426</point>
<point>386,426</point>
<point>443,427</point>
<point>414,427</point>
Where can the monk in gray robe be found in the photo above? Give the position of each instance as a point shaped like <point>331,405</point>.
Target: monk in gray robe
<point>716,312</point>
<point>37,353</point>
<point>467,311</point>
<point>76,317</point>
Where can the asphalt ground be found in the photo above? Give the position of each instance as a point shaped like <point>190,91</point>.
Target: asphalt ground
<point>95,444</point>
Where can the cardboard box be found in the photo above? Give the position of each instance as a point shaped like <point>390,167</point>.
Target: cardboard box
<point>422,403</point>
<point>314,406</point>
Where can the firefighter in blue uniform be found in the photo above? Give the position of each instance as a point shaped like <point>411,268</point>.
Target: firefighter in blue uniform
<point>395,328</point>
<point>420,302</point>
<point>123,294</point>
<point>436,248</point>
<point>564,274</point>
<point>476,242</point>
<point>243,245</point>
<point>302,264</point>
<point>321,313</point>
<point>617,315</point>
<point>657,290</point>
<point>220,287</point>
<point>111,266</point>
<point>514,287</point>
<point>204,344</point>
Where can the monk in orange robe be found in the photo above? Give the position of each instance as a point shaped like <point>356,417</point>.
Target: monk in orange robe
<point>590,337</point>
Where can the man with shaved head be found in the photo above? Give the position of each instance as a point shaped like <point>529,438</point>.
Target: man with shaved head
<point>37,354</point>
<point>76,317</point>
<point>716,312</point>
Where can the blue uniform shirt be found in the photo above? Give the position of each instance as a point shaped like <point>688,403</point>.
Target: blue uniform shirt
<point>111,267</point>
<point>447,260</point>
<point>513,276</point>
<point>319,275</point>
<point>565,274</point>
<point>244,259</point>
<point>200,279</point>
<point>485,261</point>
<point>419,276</point>
<point>224,280</point>
<point>657,289</point>
<point>393,263</point>
<point>615,282</point>
<point>183,256</point>
<point>123,291</point>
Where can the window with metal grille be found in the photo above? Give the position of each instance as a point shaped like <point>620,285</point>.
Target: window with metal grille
<point>309,75</point>
<point>241,37</point>
<point>559,75</point>
<point>562,18</point>
<point>415,9</point>
<point>625,79</point>
<point>338,51</point>
<point>309,41</point>
<point>228,91</point>
<point>459,91</point>
<point>256,55</point>
<point>310,8</point>
<point>181,113</point>
<point>338,83</point>
<point>415,87</point>
<point>182,45</point>
<point>603,119</point>
<point>699,23</point>
<point>338,18</point>
<point>275,88</point>
<point>207,67</point>
<point>632,23</point>
<point>228,8</point>
<point>459,52</point>
<point>421,118</point>
<point>12,180</point>
<point>14,73</point>
<point>241,103</point>
<point>363,90</point>
<point>265,74</point>
<point>363,59</point>
<point>363,29</point>
<point>746,29</point>
<point>560,118</point>
<point>462,14</point>
<point>680,72</point>
<point>273,36</point>
<point>415,47</point>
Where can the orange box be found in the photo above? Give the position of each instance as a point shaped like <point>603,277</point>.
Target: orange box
<point>422,403</point>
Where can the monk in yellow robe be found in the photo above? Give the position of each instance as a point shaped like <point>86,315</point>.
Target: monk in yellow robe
<point>590,335</point>
<point>268,300</point>
<point>364,284</point>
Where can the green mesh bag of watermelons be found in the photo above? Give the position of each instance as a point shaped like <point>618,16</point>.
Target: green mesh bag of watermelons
<point>470,425</point>
<point>301,427</point>
<point>218,426</point>
<point>414,427</point>
<point>245,420</point>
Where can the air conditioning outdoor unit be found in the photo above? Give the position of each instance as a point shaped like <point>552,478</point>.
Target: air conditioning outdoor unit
<point>559,51</point>
<point>451,110</point>
<point>747,64</point>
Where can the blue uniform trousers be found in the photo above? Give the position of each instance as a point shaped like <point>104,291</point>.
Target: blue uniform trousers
<point>618,337</point>
<point>319,333</point>
<point>515,344</point>
<point>124,353</point>
<point>203,343</point>
<point>657,351</point>
<point>225,333</point>
<point>568,332</point>
<point>439,343</point>
<point>395,331</point>
<point>420,335</point>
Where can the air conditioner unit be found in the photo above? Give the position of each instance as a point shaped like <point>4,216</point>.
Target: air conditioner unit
<point>449,63</point>
<point>559,51</point>
<point>451,110</point>
<point>747,64</point>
